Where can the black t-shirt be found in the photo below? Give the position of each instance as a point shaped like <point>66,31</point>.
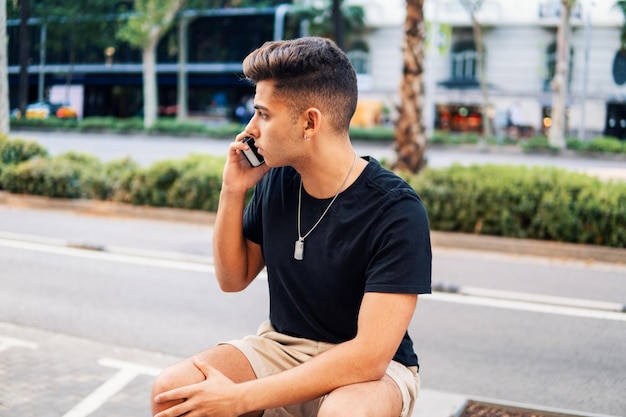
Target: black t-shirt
<point>374,238</point>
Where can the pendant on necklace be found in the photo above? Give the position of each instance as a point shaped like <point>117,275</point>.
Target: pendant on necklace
<point>298,251</point>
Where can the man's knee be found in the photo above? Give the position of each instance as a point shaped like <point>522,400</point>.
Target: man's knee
<point>169,378</point>
<point>172,377</point>
<point>334,408</point>
<point>370,399</point>
<point>225,358</point>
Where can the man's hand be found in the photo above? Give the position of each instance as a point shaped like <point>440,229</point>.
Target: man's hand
<point>215,396</point>
<point>238,174</point>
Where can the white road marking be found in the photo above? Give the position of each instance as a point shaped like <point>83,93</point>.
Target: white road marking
<point>111,257</point>
<point>127,372</point>
<point>483,297</point>
<point>542,299</point>
<point>9,342</point>
<point>526,306</point>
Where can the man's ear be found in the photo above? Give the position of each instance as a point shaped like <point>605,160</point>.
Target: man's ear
<point>312,120</point>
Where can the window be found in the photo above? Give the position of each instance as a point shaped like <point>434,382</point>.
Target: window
<point>359,60</point>
<point>464,61</point>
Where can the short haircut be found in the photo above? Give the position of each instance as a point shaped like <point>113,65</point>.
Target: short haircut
<point>308,72</point>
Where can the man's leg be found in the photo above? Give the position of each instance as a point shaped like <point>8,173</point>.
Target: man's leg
<point>376,399</point>
<point>225,358</point>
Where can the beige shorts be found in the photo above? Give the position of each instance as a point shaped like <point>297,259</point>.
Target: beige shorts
<point>271,352</point>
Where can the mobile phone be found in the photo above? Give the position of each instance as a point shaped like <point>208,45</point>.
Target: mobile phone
<point>252,154</point>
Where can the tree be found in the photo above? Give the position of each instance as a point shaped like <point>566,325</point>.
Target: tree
<point>78,26</point>
<point>143,29</point>
<point>335,20</point>
<point>338,24</point>
<point>473,6</point>
<point>410,135</point>
<point>4,75</point>
<point>556,136</point>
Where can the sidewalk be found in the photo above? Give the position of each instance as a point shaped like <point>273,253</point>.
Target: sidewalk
<point>52,374</point>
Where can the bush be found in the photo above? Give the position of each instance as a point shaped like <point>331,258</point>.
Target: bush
<point>440,137</point>
<point>160,184</point>
<point>198,187</point>
<point>46,177</point>
<point>539,143</point>
<point>98,123</point>
<point>601,144</point>
<point>606,145</point>
<point>172,126</point>
<point>131,124</point>
<point>120,174</point>
<point>48,123</point>
<point>537,203</point>
<point>377,133</point>
<point>15,151</point>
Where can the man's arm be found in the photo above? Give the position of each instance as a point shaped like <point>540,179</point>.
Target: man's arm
<point>237,260</point>
<point>382,323</point>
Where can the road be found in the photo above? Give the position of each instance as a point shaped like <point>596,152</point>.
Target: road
<point>564,352</point>
<point>148,149</point>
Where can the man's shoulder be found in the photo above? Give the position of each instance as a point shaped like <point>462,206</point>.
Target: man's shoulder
<point>388,182</point>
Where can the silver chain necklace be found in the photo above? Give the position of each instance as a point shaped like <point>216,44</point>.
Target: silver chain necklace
<point>298,252</point>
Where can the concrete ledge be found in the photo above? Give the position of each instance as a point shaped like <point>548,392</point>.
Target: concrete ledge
<point>467,241</point>
<point>528,247</point>
<point>106,208</point>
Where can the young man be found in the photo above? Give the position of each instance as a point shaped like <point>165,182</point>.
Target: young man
<point>346,244</point>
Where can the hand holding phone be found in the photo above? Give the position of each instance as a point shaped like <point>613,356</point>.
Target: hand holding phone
<point>252,154</point>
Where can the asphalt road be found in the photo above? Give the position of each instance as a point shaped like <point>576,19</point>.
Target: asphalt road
<point>148,149</point>
<point>531,350</point>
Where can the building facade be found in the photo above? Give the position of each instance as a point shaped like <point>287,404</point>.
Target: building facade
<point>519,39</point>
<point>108,81</point>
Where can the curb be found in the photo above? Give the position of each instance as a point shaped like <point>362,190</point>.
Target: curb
<point>448,240</point>
<point>513,246</point>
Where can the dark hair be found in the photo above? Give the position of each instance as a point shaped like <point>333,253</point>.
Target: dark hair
<point>308,72</point>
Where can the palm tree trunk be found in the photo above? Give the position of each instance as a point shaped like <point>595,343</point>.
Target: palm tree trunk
<point>410,134</point>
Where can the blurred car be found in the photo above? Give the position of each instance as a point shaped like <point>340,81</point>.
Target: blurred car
<point>45,109</point>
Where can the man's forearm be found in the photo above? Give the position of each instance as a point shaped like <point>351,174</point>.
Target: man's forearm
<point>229,246</point>
<point>344,364</point>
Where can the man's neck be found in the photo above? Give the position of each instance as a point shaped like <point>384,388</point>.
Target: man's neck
<point>326,175</point>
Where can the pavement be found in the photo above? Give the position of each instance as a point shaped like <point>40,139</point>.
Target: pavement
<point>104,380</point>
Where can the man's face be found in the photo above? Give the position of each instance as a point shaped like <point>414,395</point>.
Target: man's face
<point>277,136</point>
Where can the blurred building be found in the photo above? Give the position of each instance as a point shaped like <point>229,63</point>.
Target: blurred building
<point>108,81</point>
<point>520,56</point>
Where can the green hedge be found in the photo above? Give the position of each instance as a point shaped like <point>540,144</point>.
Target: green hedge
<point>191,183</point>
<point>15,151</point>
<point>168,126</point>
<point>538,203</point>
